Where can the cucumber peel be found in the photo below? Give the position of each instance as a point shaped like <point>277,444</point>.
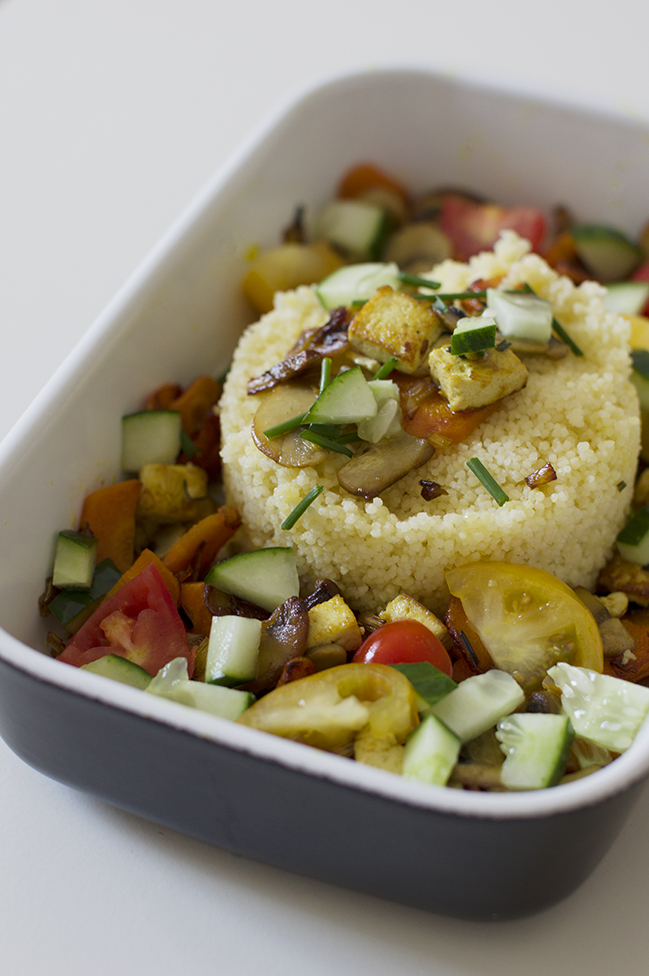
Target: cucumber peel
<point>265,577</point>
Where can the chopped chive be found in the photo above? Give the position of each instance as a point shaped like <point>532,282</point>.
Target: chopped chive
<point>187,445</point>
<point>640,359</point>
<point>351,438</point>
<point>621,485</point>
<point>492,486</point>
<point>326,442</point>
<point>384,371</point>
<point>301,507</point>
<point>636,528</point>
<point>454,296</point>
<point>556,326</point>
<point>410,279</point>
<point>358,303</point>
<point>285,427</point>
<point>325,373</point>
<point>326,430</point>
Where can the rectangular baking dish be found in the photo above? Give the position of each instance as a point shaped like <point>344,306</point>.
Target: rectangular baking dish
<point>468,854</point>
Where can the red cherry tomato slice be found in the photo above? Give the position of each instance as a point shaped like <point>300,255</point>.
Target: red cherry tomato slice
<point>404,642</point>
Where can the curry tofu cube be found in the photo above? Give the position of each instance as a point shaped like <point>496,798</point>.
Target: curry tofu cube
<point>471,383</point>
<point>332,622</point>
<point>394,324</point>
<point>174,493</point>
<point>405,607</point>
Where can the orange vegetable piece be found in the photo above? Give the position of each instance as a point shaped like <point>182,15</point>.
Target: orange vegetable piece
<point>143,560</point>
<point>192,601</point>
<point>203,541</point>
<point>163,397</point>
<point>366,176</point>
<point>195,401</point>
<point>208,444</point>
<point>110,515</point>
<point>435,417</point>
<point>637,669</point>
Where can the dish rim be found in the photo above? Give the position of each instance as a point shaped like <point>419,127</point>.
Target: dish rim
<point>624,772</point>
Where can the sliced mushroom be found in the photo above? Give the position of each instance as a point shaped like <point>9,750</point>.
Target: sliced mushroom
<point>418,246</point>
<point>324,590</point>
<point>287,401</point>
<point>554,349</point>
<point>385,463</point>
<point>222,604</point>
<point>288,369</point>
<point>283,637</point>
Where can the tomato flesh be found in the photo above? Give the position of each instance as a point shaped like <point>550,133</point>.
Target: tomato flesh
<point>474,227</point>
<point>139,622</point>
<point>404,642</point>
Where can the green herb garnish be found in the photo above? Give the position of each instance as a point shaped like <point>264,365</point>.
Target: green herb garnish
<point>384,371</point>
<point>326,442</point>
<point>636,528</point>
<point>284,428</point>
<point>187,445</point>
<point>301,507</point>
<point>410,279</point>
<point>640,360</point>
<point>477,467</point>
<point>429,682</point>
<point>325,373</point>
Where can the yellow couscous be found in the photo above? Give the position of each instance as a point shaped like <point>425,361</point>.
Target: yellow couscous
<point>579,414</point>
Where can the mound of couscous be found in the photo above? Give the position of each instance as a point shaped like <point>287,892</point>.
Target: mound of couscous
<point>580,414</point>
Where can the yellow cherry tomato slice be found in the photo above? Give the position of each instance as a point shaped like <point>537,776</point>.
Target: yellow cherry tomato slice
<point>527,619</point>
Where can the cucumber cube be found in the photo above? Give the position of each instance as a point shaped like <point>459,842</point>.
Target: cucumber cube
<point>233,650</point>
<point>74,560</point>
<point>150,437</point>
<point>431,752</point>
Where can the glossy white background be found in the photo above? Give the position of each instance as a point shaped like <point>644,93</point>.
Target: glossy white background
<point>113,113</point>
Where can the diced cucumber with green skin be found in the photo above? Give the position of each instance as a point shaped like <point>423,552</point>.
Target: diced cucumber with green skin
<point>430,753</point>
<point>474,335</point>
<point>606,252</point>
<point>347,400</point>
<point>626,297</point>
<point>430,684</point>
<point>150,437</point>
<point>74,561</point>
<point>356,283</point>
<point>641,384</point>
<point>119,669</point>
<point>266,577</point>
<point>357,228</point>
<point>521,316</point>
<point>73,607</point>
<point>172,682</point>
<point>233,650</point>
<point>536,747</point>
<point>478,703</point>
<point>633,540</point>
<point>604,710</point>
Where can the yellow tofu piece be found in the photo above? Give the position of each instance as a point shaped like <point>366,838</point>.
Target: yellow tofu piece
<point>469,383</point>
<point>332,622</point>
<point>174,493</point>
<point>405,607</point>
<point>392,323</point>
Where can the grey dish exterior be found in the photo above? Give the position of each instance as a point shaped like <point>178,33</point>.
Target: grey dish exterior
<point>470,855</point>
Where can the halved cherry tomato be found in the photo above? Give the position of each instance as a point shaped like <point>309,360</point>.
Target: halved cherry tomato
<point>474,227</point>
<point>139,622</point>
<point>403,642</point>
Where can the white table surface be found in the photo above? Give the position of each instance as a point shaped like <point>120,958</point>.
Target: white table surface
<point>113,113</point>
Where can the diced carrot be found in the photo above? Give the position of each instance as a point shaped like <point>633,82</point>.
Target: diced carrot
<point>208,444</point>
<point>163,397</point>
<point>637,667</point>
<point>195,401</point>
<point>110,515</point>
<point>562,248</point>
<point>143,560</point>
<point>192,600</point>
<point>364,177</point>
<point>435,417</point>
<point>203,540</point>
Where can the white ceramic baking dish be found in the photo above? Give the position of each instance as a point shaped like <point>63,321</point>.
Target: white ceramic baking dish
<point>469,854</point>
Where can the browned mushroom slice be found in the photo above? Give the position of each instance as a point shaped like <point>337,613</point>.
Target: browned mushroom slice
<point>331,338</point>
<point>385,463</point>
<point>418,246</point>
<point>283,637</point>
<point>287,401</point>
<point>629,578</point>
<point>281,372</point>
<point>324,590</point>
